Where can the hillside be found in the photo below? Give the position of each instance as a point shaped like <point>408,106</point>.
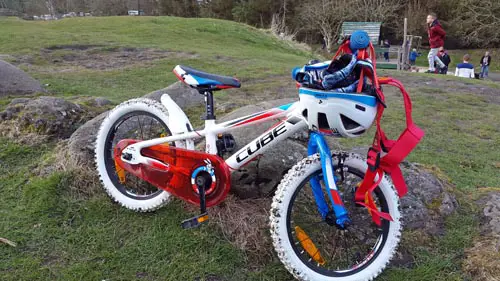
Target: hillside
<point>66,228</point>
<point>61,52</point>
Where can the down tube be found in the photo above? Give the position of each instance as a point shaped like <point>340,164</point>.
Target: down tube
<point>267,140</point>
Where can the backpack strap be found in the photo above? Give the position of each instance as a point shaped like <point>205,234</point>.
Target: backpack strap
<point>395,152</point>
<point>368,53</point>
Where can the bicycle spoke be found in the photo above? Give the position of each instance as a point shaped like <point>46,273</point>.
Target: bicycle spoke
<point>150,127</point>
<point>332,256</point>
<point>134,126</point>
<point>358,240</point>
<point>308,222</point>
<point>362,231</point>
<point>140,127</point>
<point>354,245</point>
<point>347,249</point>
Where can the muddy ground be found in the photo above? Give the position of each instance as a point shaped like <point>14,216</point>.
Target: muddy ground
<point>68,58</point>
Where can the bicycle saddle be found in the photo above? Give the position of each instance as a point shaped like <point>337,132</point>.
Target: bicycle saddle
<point>199,79</point>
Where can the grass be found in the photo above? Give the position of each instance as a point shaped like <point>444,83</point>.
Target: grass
<point>442,256</point>
<point>62,239</point>
<point>252,53</point>
<point>63,236</point>
<point>461,132</point>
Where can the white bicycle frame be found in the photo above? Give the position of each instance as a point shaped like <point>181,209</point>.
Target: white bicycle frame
<point>290,121</point>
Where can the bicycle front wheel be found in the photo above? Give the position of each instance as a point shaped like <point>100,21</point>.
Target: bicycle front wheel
<point>312,248</point>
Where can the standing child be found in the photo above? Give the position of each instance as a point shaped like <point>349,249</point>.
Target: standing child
<point>485,65</point>
<point>413,57</point>
<point>386,53</point>
<point>436,40</point>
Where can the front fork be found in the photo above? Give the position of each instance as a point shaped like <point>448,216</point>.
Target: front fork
<point>317,144</point>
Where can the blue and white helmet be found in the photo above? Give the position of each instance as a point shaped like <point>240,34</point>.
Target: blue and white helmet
<point>338,114</point>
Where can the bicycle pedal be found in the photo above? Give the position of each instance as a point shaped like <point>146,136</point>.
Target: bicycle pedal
<point>195,221</point>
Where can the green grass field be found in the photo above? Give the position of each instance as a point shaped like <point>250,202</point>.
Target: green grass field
<point>221,47</point>
<point>64,235</point>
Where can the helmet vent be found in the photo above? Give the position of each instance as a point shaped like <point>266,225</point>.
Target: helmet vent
<point>304,113</point>
<point>323,121</point>
<point>347,122</point>
<point>359,133</point>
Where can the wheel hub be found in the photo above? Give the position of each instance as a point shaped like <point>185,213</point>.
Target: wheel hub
<point>341,223</point>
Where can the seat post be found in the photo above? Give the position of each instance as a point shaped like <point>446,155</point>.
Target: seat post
<point>209,104</point>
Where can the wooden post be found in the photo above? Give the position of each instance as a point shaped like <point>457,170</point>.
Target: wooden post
<point>400,58</point>
<point>404,59</point>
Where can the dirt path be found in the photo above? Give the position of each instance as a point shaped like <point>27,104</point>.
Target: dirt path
<point>494,77</point>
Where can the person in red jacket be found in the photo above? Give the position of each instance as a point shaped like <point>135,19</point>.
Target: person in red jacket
<point>436,41</point>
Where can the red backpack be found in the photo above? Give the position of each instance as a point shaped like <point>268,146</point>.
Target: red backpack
<point>385,155</point>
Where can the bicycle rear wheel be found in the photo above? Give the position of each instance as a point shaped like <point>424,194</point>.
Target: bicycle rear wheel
<point>139,119</point>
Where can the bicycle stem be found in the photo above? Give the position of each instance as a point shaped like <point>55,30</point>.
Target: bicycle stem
<point>317,144</point>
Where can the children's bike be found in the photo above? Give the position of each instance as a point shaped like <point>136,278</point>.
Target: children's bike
<point>335,216</point>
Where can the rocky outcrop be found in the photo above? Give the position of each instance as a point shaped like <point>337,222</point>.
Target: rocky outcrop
<point>47,116</point>
<point>183,95</point>
<point>428,200</point>
<point>490,213</point>
<point>43,115</point>
<point>81,142</point>
<point>15,82</point>
<point>482,259</point>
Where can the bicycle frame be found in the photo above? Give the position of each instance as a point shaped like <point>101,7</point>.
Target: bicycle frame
<point>290,122</point>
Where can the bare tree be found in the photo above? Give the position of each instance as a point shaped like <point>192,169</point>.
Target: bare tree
<point>415,12</point>
<point>326,16</point>
<point>479,23</point>
<point>50,7</point>
<point>375,10</point>
<point>278,23</point>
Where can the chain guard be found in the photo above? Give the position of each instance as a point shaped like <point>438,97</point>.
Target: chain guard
<point>173,173</point>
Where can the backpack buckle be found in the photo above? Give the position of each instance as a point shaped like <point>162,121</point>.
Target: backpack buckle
<point>378,96</point>
<point>373,159</point>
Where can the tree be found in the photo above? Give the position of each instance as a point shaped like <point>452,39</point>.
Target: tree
<point>50,7</point>
<point>479,23</point>
<point>320,15</point>
<point>284,21</point>
<point>376,10</point>
<point>416,13</point>
<point>180,8</point>
<point>256,12</point>
<point>221,9</point>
